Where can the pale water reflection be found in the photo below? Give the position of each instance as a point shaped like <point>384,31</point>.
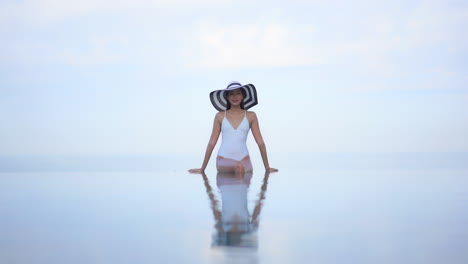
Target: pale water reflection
<point>235,234</point>
<point>387,214</point>
<point>235,226</point>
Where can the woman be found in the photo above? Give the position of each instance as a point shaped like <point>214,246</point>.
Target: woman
<point>234,121</point>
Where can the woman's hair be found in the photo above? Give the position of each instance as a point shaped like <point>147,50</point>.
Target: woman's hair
<point>244,94</point>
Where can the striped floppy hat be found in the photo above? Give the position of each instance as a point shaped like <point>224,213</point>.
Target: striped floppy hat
<point>219,99</point>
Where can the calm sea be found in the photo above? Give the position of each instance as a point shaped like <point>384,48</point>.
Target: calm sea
<point>319,208</point>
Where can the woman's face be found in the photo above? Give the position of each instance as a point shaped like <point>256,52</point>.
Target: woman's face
<point>235,97</point>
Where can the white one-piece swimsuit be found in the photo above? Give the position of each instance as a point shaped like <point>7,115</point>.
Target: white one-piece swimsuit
<point>234,141</point>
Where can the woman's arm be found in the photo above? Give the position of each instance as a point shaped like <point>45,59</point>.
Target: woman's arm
<point>211,144</point>
<point>261,144</point>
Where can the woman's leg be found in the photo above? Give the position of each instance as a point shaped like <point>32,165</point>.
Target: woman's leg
<point>234,166</point>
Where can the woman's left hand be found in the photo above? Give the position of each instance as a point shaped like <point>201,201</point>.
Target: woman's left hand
<point>269,170</point>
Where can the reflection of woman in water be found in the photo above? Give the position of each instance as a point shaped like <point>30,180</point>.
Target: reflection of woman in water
<point>234,121</point>
<point>234,224</point>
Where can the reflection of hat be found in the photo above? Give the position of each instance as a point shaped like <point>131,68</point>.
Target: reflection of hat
<point>218,97</point>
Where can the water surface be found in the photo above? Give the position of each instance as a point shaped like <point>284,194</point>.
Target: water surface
<point>329,210</point>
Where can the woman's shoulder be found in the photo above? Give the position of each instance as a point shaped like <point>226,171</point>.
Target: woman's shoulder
<point>251,115</point>
<point>219,115</point>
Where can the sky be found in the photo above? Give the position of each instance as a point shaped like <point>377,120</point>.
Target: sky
<point>133,77</point>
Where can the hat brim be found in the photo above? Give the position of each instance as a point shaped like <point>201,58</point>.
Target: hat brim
<point>219,101</point>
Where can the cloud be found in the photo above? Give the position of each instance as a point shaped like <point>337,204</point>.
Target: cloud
<point>374,39</point>
<point>250,45</point>
<point>50,11</point>
<point>370,40</point>
<point>86,51</point>
<point>102,51</point>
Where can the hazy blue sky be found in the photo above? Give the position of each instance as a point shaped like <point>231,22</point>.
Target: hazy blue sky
<point>132,77</point>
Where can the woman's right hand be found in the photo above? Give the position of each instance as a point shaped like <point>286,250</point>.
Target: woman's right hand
<point>197,171</point>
